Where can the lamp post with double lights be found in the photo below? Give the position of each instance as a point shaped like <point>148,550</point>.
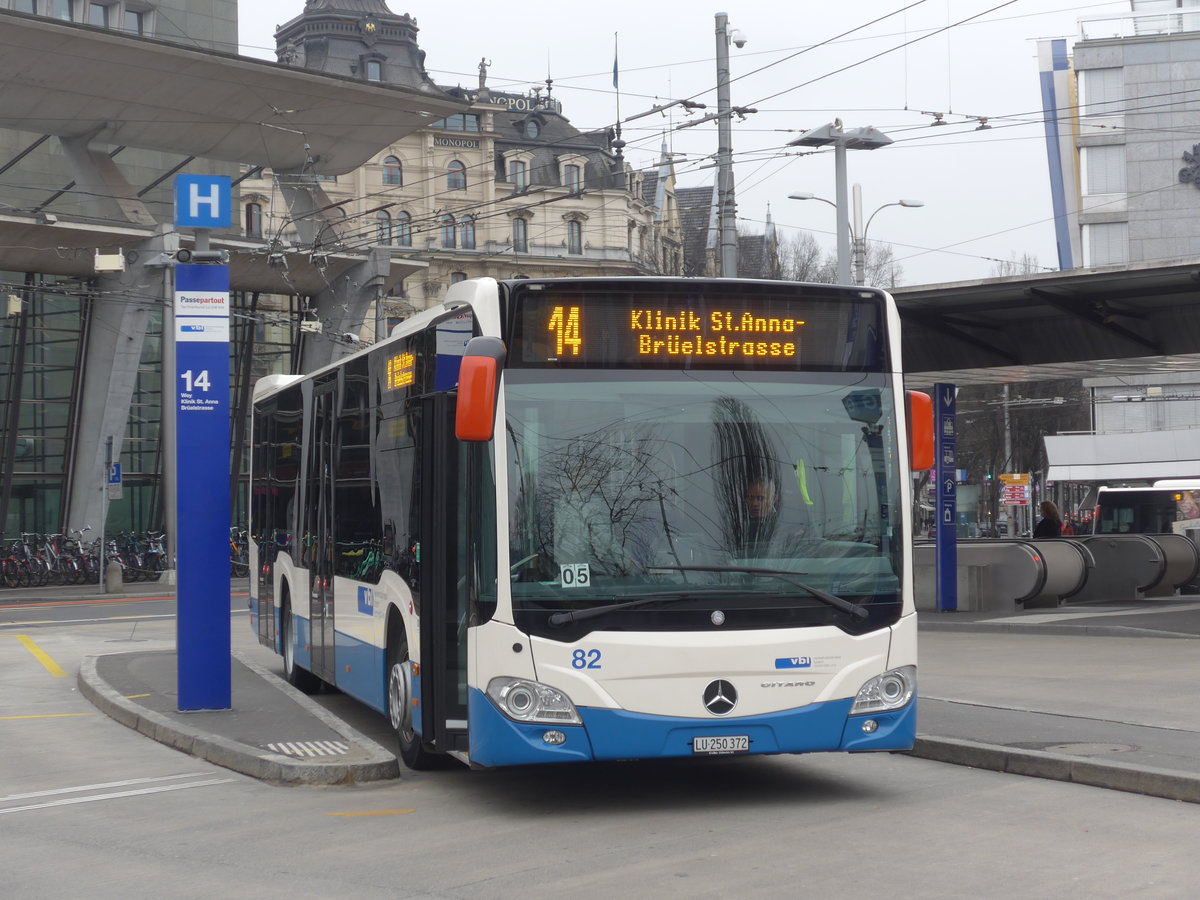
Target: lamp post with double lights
<point>842,139</point>
<point>855,234</point>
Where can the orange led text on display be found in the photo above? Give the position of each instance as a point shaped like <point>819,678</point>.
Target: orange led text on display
<point>401,371</point>
<point>564,322</point>
<point>721,334</point>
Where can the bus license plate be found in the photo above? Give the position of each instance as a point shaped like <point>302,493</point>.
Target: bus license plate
<point>720,745</point>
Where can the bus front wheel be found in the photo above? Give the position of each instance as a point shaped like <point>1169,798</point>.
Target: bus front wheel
<point>400,707</point>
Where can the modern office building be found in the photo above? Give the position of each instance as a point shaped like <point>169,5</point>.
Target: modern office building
<point>1121,113</point>
<point>1122,116</point>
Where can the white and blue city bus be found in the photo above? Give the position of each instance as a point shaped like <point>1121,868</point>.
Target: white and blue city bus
<point>602,518</point>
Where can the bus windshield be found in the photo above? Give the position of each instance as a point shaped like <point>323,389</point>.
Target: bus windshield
<point>684,489</point>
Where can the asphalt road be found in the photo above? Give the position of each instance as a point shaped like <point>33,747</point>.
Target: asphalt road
<point>89,808</point>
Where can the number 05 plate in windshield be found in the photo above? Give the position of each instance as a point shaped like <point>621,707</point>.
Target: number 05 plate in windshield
<point>721,745</point>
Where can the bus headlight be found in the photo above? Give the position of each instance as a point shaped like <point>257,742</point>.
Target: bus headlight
<point>891,690</point>
<point>531,701</point>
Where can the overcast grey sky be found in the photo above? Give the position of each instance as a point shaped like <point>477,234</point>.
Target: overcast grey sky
<point>986,192</point>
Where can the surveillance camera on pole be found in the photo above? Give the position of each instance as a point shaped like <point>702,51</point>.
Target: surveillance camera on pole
<point>202,257</point>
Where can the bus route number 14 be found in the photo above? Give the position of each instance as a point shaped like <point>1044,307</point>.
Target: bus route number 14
<point>564,322</point>
<point>195,381</point>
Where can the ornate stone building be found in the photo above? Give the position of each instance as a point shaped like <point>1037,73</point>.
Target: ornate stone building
<point>507,189</point>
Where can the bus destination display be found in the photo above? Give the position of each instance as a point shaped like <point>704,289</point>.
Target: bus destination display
<point>767,332</point>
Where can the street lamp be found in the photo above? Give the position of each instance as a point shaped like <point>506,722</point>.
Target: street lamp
<point>866,138</point>
<point>857,232</point>
<point>726,208</point>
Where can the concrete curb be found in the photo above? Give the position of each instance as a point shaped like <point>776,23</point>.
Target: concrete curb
<point>1058,767</point>
<point>379,765</point>
<point>1074,630</point>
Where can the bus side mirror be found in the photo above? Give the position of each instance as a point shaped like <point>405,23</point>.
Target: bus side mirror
<point>478,388</point>
<point>918,409</point>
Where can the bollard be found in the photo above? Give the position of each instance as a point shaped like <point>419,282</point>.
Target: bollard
<point>113,578</point>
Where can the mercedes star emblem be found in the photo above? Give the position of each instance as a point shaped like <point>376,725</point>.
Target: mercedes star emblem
<point>720,697</point>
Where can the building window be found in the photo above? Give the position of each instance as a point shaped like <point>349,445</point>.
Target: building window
<point>520,236</point>
<point>25,6</point>
<point>574,237</point>
<point>461,122</point>
<point>1106,244</point>
<point>573,177</point>
<point>1104,169</point>
<point>98,15</point>
<point>58,9</point>
<point>383,227</point>
<point>456,176</point>
<point>456,277</point>
<point>466,233</point>
<point>532,129</point>
<point>392,171</point>
<point>402,230</point>
<point>374,70</point>
<point>1102,91</point>
<point>448,232</point>
<point>518,173</point>
<point>134,22</point>
<point>254,220</point>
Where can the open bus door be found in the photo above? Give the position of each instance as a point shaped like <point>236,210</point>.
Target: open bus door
<point>445,582</point>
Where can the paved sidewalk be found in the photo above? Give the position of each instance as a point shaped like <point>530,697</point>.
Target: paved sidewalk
<point>1096,694</point>
<point>273,731</point>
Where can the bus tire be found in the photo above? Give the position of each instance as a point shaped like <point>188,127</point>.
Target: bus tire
<point>297,676</point>
<point>413,750</point>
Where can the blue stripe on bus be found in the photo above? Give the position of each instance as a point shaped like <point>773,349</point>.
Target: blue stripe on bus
<point>366,680</point>
<point>616,734</point>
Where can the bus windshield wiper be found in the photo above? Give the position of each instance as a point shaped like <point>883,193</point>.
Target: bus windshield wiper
<point>853,609</point>
<point>565,618</point>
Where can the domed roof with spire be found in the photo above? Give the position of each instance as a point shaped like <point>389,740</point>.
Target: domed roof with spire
<point>353,6</point>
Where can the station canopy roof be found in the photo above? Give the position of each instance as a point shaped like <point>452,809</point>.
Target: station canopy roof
<point>1084,323</point>
<point>73,80</point>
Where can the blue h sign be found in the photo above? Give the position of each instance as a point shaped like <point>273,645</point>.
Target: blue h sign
<point>203,201</point>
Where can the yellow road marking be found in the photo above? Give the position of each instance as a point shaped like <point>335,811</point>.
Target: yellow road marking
<point>41,656</point>
<point>374,812</point>
<point>136,696</point>
<point>47,716</point>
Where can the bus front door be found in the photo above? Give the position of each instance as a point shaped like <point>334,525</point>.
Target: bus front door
<point>444,582</point>
<point>320,508</point>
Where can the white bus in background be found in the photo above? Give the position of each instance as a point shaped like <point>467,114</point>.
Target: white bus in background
<point>1169,505</point>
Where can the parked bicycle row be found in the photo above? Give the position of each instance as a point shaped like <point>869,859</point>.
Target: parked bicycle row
<point>39,559</point>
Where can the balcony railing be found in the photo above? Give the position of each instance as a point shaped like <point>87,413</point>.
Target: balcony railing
<point>1142,25</point>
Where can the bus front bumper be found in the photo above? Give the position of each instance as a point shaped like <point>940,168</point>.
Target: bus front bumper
<point>610,734</point>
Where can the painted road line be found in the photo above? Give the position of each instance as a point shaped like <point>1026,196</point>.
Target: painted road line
<point>46,716</point>
<point>103,786</point>
<point>70,801</point>
<point>102,600</point>
<point>83,621</point>
<point>41,656</point>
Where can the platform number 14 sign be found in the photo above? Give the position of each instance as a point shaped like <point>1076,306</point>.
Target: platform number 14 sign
<point>195,382</point>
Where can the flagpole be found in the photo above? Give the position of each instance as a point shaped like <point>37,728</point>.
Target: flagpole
<point>616,78</point>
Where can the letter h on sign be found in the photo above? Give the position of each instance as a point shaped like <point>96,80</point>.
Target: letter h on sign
<point>203,201</point>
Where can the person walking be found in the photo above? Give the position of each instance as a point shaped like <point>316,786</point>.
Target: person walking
<point>1051,524</point>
